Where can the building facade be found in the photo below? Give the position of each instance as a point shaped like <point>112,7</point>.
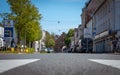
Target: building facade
<point>80,32</point>
<point>102,21</point>
<point>76,39</point>
<point>105,21</point>
<point>88,30</point>
<point>104,16</point>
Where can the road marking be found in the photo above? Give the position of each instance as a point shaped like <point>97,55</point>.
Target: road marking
<point>6,65</point>
<point>112,63</point>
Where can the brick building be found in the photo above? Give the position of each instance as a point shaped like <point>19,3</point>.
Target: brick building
<point>105,16</point>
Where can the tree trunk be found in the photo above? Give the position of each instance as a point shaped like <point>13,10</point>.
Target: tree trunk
<point>29,44</point>
<point>18,36</point>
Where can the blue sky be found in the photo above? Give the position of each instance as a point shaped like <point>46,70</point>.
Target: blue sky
<point>67,12</point>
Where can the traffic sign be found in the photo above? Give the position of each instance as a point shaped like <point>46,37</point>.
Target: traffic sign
<point>87,33</point>
<point>8,32</point>
<point>8,23</point>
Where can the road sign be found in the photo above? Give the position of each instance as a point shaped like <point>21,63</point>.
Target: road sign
<point>8,32</point>
<point>8,23</point>
<point>87,33</point>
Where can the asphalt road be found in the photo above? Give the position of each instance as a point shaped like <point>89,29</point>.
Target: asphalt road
<point>61,64</point>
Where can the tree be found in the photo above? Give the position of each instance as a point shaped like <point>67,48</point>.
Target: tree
<point>49,40</point>
<point>26,19</point>
<point>68,38</point>
<point>67,41</point>
<point>59,42</point>
<point>70,33</point>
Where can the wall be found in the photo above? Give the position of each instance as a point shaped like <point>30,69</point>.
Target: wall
<point>76,39</point>
<point>103,22</point>
<point>89,27</point>
<point>1,35</point>
<point>117,15</point>
<point>104,18</point>
<point>80,31</point>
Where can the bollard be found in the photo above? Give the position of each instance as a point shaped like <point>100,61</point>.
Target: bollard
<point>26,50</point>
<point>12,49</point>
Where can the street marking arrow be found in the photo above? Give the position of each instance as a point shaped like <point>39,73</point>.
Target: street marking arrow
<point>6,65</point>
<point>112,63</point>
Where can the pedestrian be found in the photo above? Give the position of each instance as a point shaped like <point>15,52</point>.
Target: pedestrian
<point>114,42</point>
<point>12,43</point>
<point>118,45</point>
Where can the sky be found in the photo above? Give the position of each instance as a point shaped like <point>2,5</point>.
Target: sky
<point>57,15</point>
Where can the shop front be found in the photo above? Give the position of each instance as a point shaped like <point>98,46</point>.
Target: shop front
<point>103,43</point>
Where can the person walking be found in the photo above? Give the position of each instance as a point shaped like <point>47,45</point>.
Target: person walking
<point>118,45</point>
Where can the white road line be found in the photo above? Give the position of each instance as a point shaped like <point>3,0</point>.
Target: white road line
<point>112,63</point>
<point>6,65</point>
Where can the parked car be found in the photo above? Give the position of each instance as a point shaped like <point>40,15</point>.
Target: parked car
<point>50,50</point>
<point>86,45</point>
<point>76,49</point>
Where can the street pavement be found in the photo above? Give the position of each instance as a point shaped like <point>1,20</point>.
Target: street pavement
<point>60,64</point>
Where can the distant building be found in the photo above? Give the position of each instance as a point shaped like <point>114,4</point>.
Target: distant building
<point>75,40</point>
<point>76,37</point>
<point>40,45</point>
<point>60,42</point>
<point>80,31</point>
<point>72,42</point>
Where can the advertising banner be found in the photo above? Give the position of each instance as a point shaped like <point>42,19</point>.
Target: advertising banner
<point>87,33</point>
<point>8,32</point>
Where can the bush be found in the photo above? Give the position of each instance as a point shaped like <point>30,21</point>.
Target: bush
<point>30,50</point>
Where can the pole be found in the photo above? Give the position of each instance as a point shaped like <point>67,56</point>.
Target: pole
<point>87,44</point>
<point>25,39</point>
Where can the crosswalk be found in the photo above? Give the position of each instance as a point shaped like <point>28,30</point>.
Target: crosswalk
<point>6,65</point>
<point>112,63</point>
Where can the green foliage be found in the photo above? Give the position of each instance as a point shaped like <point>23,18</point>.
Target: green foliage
<point>33,32</point>
<point>49,40</point>
<point>67,41</point>
<point>30,50</point>
<point>26,17</point>
<point>69,35</point>
<point>59,42</point>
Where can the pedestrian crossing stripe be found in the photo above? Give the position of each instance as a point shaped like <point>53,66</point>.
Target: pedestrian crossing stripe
<point>6,65</point>
<point>112,63</point>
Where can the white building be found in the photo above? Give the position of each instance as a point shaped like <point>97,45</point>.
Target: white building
<point>1,36</point>
<point>40,45</point>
